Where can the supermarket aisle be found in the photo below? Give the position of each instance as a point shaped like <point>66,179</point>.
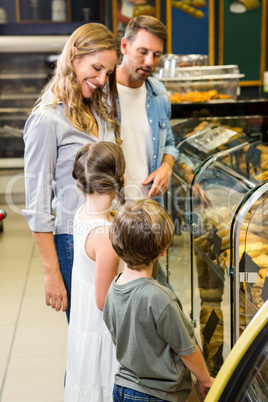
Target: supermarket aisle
<point>33,337</point>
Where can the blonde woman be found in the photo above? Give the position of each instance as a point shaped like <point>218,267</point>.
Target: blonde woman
<point>76,107</point>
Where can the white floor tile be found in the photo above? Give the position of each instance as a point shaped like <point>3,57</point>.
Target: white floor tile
<point>15,242</point>
<point>40,339</point>
<point>36,267</point>
<point>9,309</point>
<point>13,275</point>
<point>35,286</point>
<point>6,332</point>
<point>3,363</point>
<point>35,310</point>
<point>35,379</point>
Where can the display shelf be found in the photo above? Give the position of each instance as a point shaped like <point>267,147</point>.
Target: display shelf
<point>18,76</point>
<point>22,97</point>
<point>35,12</point>
<point>63,28</point>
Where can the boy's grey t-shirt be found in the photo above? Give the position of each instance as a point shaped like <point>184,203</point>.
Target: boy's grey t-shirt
<point>150,331</point>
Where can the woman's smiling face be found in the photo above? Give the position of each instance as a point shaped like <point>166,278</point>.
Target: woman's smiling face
<point>93,71</point>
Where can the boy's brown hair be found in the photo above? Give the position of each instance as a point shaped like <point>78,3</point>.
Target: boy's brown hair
<point>140,232</point>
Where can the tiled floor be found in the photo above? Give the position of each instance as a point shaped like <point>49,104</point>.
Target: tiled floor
<point>33,337</point>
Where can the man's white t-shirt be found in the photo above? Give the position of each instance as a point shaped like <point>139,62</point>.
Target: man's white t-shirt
<point>137,140</point>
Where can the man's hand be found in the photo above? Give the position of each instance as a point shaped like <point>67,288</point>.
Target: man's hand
<point>160,178</point>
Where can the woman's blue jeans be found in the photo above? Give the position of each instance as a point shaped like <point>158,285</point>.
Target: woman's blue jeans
<point>65,252</point>
<point>122,394</point>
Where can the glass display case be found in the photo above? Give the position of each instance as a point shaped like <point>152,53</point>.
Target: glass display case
<point>218,199</point>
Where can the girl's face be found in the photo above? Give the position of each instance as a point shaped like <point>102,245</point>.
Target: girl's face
<point>93,71</point>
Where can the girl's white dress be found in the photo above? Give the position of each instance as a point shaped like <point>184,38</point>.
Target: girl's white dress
<point>91,360</point>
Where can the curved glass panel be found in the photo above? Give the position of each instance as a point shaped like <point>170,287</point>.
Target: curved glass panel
<point>254,257</point>
<point>216,195</point>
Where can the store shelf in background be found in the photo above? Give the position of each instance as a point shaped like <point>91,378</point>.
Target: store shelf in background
<point>45,28</point>
<point>20,20</point>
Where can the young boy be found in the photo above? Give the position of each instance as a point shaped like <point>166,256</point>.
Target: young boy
<point>154,340</point>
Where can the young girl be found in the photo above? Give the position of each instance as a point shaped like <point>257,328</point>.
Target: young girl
<point>91,363</point>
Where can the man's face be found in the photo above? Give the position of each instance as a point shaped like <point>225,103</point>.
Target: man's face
<point>142,54</point>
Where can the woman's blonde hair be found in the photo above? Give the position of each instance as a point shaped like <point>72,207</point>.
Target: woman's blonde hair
<point>88,39</point>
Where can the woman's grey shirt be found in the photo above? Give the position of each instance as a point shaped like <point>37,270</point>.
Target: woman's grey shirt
<point>51,143</point>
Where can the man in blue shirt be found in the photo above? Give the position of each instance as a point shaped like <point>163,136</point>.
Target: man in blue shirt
<point>144,111</point>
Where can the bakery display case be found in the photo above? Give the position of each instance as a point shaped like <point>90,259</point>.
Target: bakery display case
<point>218,199</point>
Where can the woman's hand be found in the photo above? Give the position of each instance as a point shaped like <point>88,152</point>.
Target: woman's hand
<point>56,294</point>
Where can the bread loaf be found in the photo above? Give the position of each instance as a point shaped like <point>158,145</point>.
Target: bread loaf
<point>261,260</point>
